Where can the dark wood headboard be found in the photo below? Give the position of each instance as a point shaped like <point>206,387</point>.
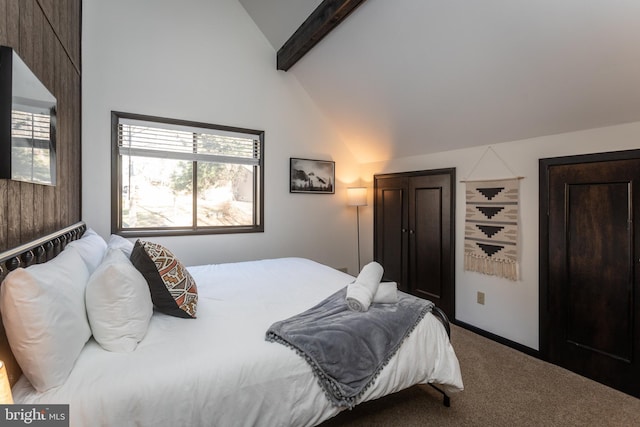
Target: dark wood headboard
<point>35,252</point>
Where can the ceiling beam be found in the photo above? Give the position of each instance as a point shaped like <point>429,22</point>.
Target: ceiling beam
<point>325,18</point>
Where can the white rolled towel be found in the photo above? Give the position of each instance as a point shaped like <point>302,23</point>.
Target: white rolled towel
<point>387,293</point>
<point>360,293</point>
<point>370,277</point>
<point>358,297</point>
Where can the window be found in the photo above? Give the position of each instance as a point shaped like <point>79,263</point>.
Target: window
<point>173,177</point>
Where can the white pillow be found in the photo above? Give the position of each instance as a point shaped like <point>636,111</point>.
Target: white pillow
<point>91,247</point>
<point>121,243</point>
<point>45,318</point>
<point>119,303</point>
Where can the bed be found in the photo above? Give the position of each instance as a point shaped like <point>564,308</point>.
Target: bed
<point>218,368</point>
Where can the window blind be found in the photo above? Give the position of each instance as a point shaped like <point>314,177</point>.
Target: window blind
<point>30,126</point>
<point>149,139</point>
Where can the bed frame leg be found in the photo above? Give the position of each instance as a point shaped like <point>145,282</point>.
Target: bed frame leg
<point>446,401</point>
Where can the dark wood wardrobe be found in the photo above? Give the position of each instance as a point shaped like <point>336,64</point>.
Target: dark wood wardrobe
<point>414,222</point>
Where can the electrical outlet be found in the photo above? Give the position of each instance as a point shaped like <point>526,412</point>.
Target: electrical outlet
<point>480,297</point>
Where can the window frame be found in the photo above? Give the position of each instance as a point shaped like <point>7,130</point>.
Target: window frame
<point>117,182</point>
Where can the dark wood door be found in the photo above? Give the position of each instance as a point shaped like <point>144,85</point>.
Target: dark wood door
<point>391,229</point>
<point>592,298</point>
<point>413,233</point>
<point>430,245</point>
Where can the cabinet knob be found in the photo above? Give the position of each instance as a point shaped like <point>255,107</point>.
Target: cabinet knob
<point>404,230</point>
<point>411,231</point>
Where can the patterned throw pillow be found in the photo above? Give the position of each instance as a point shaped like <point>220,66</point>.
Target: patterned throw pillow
<point>173,290</point>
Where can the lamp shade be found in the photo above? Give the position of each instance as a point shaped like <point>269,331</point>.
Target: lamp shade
<point>357,196</point>
<point>5,389</point>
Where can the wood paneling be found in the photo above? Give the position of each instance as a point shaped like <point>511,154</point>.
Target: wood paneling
<point>12,23</point>
<point>4,206</point>
<point>3,22</point>
<point>4,198</point>
<point>46,34</point>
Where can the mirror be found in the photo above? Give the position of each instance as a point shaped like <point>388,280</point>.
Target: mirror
<point>27,123</point>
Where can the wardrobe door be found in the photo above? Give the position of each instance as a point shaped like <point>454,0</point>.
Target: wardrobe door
<point>391,233</point>
<point>430,239</point>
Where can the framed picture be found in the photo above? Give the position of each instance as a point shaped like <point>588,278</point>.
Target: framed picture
<point>312,176</point>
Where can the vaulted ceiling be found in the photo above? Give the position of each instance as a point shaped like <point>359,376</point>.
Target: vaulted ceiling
<point>408,77</point>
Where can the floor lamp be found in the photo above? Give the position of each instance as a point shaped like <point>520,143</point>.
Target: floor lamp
<point>357,196</point>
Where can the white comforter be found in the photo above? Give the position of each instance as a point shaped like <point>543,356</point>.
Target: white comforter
<point>218,370</point>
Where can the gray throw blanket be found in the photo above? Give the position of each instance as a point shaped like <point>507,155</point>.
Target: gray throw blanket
<point>347,349</point>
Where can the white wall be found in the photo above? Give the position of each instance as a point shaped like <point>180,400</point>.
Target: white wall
<point>511,308</point>
<point>206,61</point>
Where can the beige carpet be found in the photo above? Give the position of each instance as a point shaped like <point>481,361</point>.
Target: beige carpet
<point>503,387</point>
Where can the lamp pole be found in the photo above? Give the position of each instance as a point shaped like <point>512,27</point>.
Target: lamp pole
<point>358,228</point>
<point>357,196</point>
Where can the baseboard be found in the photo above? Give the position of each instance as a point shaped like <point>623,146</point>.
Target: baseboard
<point>497,338</point>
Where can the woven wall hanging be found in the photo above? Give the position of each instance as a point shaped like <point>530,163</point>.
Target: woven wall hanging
<point>491,224</point>
<point>491,227</point>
